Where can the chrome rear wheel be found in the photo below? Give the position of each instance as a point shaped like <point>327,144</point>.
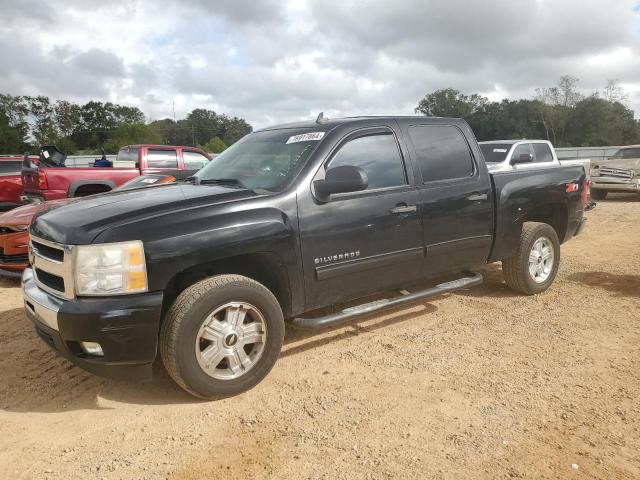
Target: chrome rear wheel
<point>541,260</point>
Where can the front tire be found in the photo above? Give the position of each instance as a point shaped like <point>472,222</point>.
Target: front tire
<point>221,336</point>
<point>598,194</point>
<point>535,265</point>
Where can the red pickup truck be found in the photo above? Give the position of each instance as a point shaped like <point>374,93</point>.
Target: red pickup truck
<point>10,182</point>
<point>50,179</point>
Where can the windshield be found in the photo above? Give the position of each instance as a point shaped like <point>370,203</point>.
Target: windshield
<point>495,152</point>
<point>627,153</point>
<point>262,160</point>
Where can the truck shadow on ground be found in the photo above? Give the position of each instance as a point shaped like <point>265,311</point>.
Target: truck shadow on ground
<point>620,198</point>
<point>34,378</point>
<point>619,285</point>
<point>493,285</point>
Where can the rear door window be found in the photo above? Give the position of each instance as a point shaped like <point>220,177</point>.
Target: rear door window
<point>542,152</point>
<point>194,160</point>
<point>442,152</point>
<point>157,158</point>
<point>378,155</point>
<point>10,167</point>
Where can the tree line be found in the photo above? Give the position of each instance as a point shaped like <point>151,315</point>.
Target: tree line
<point>560,114</point>
<point>27,122</point>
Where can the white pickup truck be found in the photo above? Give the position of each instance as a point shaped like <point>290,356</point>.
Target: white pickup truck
<point>620,173</point>
<point>508,155</point>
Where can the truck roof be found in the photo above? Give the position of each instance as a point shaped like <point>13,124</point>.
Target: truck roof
<point>511,142</point>
<point>332,122</point>
<point>151,145</point>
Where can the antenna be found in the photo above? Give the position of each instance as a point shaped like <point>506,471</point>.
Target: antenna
<point>321,119</point>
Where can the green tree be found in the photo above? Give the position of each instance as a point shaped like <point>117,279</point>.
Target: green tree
<point>131,133</point>
<point>215,145</point>
<point>449,102</point>
<point>234,128</point>
<point>11,138</point>
<point>204,124</point>
<point>596,122</point>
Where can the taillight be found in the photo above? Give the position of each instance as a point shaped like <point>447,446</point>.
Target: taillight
<point>42,180</point>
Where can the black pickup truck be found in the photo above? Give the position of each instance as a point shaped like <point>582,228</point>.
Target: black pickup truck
<point>293,223</point>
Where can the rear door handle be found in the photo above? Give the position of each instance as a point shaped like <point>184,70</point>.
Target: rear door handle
<point>477,197</point>
<point>400,209</point>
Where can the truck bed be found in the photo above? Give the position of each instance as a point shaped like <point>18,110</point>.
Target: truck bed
<point>525,194</point>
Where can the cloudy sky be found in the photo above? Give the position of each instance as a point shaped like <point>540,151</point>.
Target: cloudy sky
<point>278,60</point>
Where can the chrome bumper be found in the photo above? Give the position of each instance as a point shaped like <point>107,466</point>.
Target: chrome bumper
<point>37,303</point>
<point>615,184</point>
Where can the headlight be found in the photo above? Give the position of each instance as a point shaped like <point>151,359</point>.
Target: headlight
<point>17,228</point>
<point>595,171</point>
<point>110,269</point>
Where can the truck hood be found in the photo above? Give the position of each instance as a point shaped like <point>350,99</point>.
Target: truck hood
<point>79,222</point>
<point>629,164</point>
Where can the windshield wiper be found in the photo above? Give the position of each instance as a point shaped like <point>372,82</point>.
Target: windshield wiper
<point>222,181</point>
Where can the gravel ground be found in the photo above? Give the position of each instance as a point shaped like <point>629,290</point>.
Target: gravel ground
<point>478,384</point>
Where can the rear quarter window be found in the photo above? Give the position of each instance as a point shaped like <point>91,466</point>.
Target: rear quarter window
<point>127,157</point>
<point>10,167</point>
<point>542,152</point>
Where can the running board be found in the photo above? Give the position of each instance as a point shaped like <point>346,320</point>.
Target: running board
<point>352,312</point>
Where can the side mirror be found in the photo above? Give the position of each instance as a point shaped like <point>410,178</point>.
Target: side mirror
<point>522,158</point>
<point>342,179</point>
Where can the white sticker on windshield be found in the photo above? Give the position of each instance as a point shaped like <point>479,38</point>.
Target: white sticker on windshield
<point>45,154</point>
<point>306,137</point>
<point>500,150</point>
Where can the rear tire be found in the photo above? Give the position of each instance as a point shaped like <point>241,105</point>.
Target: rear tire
<point>535,265</point>
<point>598,194</point>
<point>221,336</point>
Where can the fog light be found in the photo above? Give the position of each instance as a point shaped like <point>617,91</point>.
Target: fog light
<point>92,348</point>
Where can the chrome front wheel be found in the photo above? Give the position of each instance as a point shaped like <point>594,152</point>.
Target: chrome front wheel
<point>231,340</point>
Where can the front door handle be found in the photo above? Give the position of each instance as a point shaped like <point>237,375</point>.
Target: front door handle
<point>477,197</point>
<point>402,209</point>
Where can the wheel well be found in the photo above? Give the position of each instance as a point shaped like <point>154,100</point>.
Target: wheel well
<point>554,214</point>
<point>266,268</point>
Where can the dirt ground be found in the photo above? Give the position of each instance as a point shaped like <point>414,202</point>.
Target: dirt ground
<point>478,384</point>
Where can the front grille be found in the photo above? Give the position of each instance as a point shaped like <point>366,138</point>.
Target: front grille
<point>13,259</point>
<point>52,265</point>
<point>616,172</point>
<point>46,251</point>
<point>50,280</point>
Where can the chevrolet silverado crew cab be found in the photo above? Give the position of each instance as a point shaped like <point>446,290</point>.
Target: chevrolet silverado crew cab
<point>293,223</point>
<point>50,179</point>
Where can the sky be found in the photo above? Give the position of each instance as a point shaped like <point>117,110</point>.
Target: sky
<point>273,61</point>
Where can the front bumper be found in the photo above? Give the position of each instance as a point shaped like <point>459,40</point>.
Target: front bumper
<point>126,327</point>
<point>612,184</point>
<point>13,253</point>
